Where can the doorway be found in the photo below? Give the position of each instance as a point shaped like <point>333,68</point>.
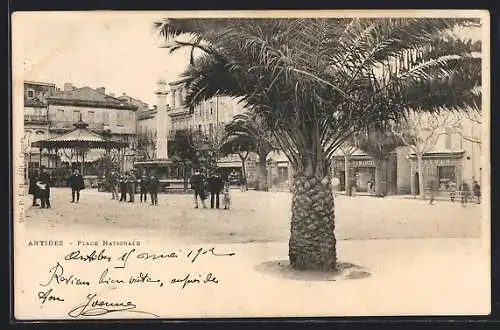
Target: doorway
<point>416,184</point>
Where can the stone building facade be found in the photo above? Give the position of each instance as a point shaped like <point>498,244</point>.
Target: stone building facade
<point>50,112</point>
<point>455,156</point>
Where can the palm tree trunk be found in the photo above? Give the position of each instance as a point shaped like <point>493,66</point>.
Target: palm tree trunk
<point>243,170</point>
<point>262,172</point>
<point>347,177</point>
<point>262,176</point>
<point>420,168</point>
<point>381,177</point>
<point>312,239</point>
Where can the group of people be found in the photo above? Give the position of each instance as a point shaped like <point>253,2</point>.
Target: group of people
<point>214,185</point>
<point>463,191</point>
<point>125,183</point>
<point>39,187</point>
<point>202,186</point>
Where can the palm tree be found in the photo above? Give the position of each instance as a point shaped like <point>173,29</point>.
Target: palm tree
<point>314,82</point>
<point>378,145</point>
<point>252,128</point>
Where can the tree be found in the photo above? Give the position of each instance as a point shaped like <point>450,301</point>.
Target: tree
<point>108,161</point>
<point>420,133</point>
<point>315,82</point>
<point>241,145</point>
<point>146,145</point>
<point>181,147</point>
<point>206,147</point>
<point>378,145</point>
<point>252,128</point>
<point>475,120</point>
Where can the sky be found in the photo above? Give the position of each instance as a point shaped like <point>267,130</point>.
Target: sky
<point>116,50</point>
<point>119,51</point>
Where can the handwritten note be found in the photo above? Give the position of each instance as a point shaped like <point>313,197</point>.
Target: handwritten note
<point>118,270</point>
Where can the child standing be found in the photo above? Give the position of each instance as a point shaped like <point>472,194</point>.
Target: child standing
<point>227,197</point>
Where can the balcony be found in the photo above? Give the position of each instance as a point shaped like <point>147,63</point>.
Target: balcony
<point>65,125</point>
<point>177,111</point>
<point>36,119</point>
<point>146,114</point>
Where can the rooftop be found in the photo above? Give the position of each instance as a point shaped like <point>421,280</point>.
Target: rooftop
<point>39,83</point>
<point>89,96</point>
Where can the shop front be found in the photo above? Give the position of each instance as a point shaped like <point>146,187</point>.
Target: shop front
<point>361,172</point>
<point>445,167</point>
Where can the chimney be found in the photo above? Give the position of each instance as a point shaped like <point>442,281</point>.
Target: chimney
<point>101,90</point>
<point>68,87</point>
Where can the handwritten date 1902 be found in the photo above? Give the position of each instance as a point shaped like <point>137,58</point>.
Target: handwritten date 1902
<point>194,254</point>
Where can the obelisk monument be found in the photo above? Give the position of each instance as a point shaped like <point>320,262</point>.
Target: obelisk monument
<point>162,120</point>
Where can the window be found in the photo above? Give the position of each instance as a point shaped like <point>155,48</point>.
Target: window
<point>179,92</point>
<point>447,139</point>
<point>105,118</point>
<point>173,99</point>
<point>282,174</point>
<point>60,115</point>
<point>76,115</point>
<point>446,175</point>
<point>211,129</point>
<point>199,128</point>
<point>31,93</point>
<point>91,116</point>
<point>119,118</point>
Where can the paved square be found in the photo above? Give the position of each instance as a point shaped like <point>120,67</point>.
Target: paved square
<point>254,217</point>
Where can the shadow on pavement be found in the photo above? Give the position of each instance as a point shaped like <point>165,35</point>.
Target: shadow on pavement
<point>282,269</point>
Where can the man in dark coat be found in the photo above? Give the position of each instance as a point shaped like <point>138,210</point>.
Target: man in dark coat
<point>43,185</point>
<point>464,192</point>
<point>123,188</point>
<point>197,184</point>
<point>433,190</point>
<point>144,183</point>
<point>33,188</point>
<point>113,184</point>
<point>131,180</point>
<point>76,183</point>
<point>153,187</point>
<point>476,189</point>
<point>215,186</point>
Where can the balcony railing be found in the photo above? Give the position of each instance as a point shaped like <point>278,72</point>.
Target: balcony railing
<point>146,114</point>
<point>68,125</point>
<point>36,119</point>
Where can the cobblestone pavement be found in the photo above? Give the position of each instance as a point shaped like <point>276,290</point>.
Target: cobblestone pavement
<point>254,217</point>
